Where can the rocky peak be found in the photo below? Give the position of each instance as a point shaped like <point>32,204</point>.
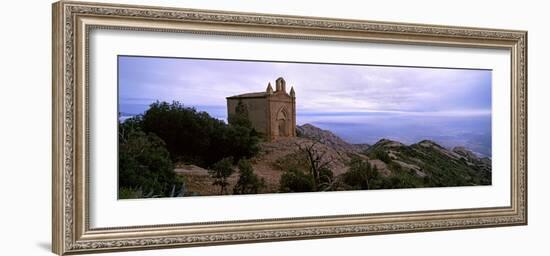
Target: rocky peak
<point>325,137</point>
<point>464,152</point>
<point>388,143</point>
<point>429,143</point>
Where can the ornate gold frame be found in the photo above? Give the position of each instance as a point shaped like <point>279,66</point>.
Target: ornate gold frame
<point>72,22</point>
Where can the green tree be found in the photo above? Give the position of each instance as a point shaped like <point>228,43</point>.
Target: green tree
<point>145,167</point>
<point>196,137</point>
<point>249,182</point>
<point>240,118</point>
<point>220,172</point>
<point>360,174</point>
<point>317,163</point>
<point>296,181</point>
<point>326,180</point>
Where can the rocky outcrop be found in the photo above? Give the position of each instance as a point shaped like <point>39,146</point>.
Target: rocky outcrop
<point>326,137</point>
<point>427,159</point>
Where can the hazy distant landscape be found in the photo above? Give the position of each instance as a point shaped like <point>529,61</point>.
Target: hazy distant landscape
<point>473,132</point>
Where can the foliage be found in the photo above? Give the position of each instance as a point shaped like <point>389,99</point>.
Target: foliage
<point>220,172</point>
<point>317,164</point>
<point>326,180</point>
<point>438,167</point>
<point>402,179</point>
<point>129,193</point>
<point>360,174</point>
<point>166,133</point>
<point>364,175</point>
<point>443,171</point>
<point>296,181</point>
<point>144,164</point>
<point>381,155</point>
<point>296,161</point>
<point>196,137</point>
<point>309,165</point>
<point>240,118</point>
<point>133,193</point>
<point>249,182</point>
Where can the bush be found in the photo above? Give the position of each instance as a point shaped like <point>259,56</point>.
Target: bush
<point>220,172</point>
<point>296,181</point>
<point>406,179</point>
<point>294,161</point>
<point>395,167</point>
<point>196,137</point>
<point>326,178</point>
<point>360,174</point>
<point>130,193</point>
<point>144,164</point>
<point>240,118</point>
<point>248,182</point>
<point>381,155</point>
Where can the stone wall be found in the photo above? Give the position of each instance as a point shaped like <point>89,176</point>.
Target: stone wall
<point>282,114</point>
<point>257,111</point>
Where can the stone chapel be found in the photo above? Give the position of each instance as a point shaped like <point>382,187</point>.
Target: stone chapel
<point>271,112</point>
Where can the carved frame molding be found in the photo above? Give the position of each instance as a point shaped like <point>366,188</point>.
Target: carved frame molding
<point>72,22</point>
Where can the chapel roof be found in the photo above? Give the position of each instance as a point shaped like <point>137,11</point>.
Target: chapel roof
<point>249,95</point>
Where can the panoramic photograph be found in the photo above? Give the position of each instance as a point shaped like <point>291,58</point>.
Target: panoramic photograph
<point>211,127</point>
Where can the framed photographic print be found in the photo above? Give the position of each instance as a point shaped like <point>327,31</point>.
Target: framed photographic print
<point>179,127</point>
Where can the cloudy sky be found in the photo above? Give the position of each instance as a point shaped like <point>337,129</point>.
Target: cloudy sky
<point>351,94</point>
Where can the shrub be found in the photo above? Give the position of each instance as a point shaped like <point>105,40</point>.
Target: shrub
<point>220,172</point>
<point>296,181</point>
<point>326,178</point>
<point>395,167</point>
<point>316,162</point>
<point>293,161</point>
<point>381,155</point>
<point>360,174</point>
<point>144,164</point>
<point>196,137</point>
<point>129,193</point>
<point>240,118</point>
<point>248,182</point>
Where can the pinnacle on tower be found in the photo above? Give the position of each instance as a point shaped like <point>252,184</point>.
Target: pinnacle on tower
<point>269,89</point>
<point>292,92</point>
<point>280,84</point>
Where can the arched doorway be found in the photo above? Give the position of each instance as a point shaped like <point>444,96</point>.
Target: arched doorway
<point>282,123</point>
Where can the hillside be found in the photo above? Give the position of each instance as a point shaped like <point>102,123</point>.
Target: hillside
<point>432,164</point>
<point>423,164</point>
<point>328,138</point>
<point>275,156</point>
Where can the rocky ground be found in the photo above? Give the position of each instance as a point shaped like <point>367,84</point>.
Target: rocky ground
<point>421,159</point>
<point>266,164</point>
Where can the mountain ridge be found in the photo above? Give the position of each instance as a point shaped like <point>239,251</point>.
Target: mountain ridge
<point>424,160</point>
<point>311,131</point>
<point>422,164</point>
